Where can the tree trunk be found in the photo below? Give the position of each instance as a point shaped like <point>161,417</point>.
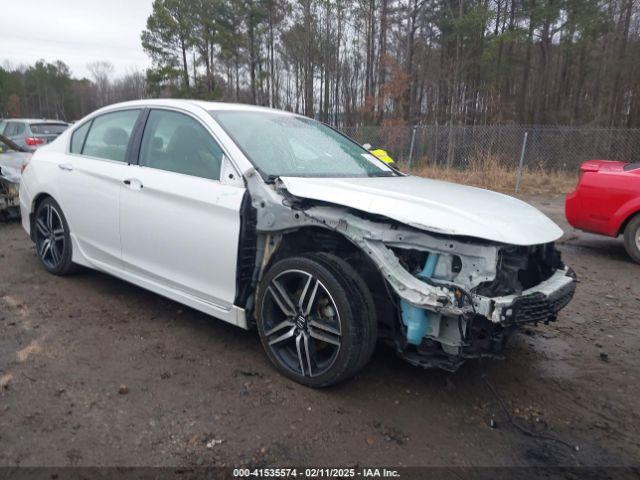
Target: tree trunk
<point>185,66</point>
<point>382,67</point>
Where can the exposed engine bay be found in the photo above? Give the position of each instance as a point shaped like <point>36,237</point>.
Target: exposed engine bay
<point>440,298</point>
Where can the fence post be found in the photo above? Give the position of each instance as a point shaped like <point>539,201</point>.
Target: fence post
<point>521,165</point>
<point>413,141</point>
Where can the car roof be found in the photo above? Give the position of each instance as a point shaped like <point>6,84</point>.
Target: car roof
<point>209,106</point>
<point>33,120</point>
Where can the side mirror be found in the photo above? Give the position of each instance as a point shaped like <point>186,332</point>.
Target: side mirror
<point>229,174</point>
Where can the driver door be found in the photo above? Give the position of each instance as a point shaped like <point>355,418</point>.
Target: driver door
<point>180,223</point>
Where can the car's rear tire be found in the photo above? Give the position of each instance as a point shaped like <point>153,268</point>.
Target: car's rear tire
<point>632,238</point>
<point>316,319</point>
<point>52,238</point>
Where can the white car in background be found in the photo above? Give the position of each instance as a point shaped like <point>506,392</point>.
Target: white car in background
<point>265,218</point>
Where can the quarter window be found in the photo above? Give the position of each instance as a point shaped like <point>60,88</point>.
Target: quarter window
<point>77,138</point>
<point>10,129</point>
<point>109,135</point>
<point>178,143</point>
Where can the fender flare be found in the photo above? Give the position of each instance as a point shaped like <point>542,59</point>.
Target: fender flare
<point>622,216</point>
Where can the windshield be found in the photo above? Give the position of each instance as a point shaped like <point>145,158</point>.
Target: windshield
<point>281,145</point>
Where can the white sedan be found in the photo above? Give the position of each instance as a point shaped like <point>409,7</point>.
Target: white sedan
<point>268,219</point>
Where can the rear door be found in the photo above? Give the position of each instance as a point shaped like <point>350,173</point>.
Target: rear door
<point>91,178</point>
<point>179,221</point>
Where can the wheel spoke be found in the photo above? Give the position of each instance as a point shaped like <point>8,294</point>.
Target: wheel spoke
<point>305,304</point>
<point>58,234</point>
<point>55,254</point>
<point>318,334</point>
<point>49,217</point>
<point>42,228</point>
<point>299,350</point>
<point>280,326</point>
<point>326,328</point>
<point>285,336</point>
<point>282,298</point>
<point>308,352</point>
<point>44,248</point>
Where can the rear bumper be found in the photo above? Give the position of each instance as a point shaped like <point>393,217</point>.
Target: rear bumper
<point>580,214</point>
<point>572,208</point>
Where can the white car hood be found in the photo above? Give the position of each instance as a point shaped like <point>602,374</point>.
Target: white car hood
<point>435,206</point>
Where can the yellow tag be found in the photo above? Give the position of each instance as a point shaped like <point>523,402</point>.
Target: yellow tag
<point>382,155</point>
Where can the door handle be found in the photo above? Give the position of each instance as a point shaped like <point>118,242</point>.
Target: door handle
<point>133,183</point>
<point>67,167</point>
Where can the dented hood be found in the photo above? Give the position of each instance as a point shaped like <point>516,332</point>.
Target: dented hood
<point>434,206</point>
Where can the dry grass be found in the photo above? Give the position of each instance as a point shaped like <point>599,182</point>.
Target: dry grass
<point>492,174</point>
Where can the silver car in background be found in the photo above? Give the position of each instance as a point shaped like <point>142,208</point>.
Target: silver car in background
<point>30,134</point>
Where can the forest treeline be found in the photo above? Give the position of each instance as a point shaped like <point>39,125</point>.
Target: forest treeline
<point>48,90</point>
<point>458,62</point>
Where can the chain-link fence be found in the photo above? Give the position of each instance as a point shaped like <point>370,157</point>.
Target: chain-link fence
<point>549,148</point>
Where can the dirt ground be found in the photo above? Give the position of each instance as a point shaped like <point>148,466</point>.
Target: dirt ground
<point>201,392</point>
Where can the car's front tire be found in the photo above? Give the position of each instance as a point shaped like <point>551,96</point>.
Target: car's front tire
<point>52,238</point>
<point>316,319</point>
<point>632,238</point>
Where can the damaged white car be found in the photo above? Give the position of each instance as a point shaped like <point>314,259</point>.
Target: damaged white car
<point>269,219</point>
<point>12,160</point>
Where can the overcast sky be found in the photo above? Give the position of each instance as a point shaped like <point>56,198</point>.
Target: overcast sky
<point>74,31</point>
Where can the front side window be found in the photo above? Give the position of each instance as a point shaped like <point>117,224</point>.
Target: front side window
<point>109,135</point>
<point>178,143</point>
<point>293,146</point>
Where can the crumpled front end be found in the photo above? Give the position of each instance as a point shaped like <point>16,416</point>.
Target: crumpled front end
<point>492,310</point>
<point>9,200</point>
<point>11,166</point>
<point>444,298</point>
<point>457,298</point>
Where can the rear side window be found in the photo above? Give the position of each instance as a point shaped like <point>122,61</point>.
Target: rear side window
<point>48,128</point>
<point>19,128</point>
<point>77,138</point>
<point>109,135</point>
<point>178,143</point>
